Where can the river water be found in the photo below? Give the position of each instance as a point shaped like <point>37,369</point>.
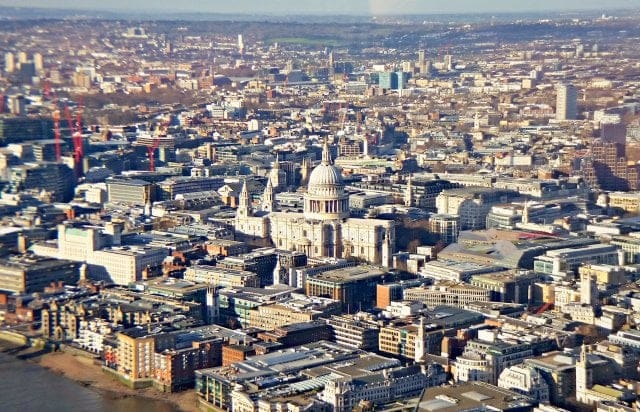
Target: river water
<point>26,387</point>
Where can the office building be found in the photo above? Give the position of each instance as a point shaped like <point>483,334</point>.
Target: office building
<point>510,286</point>
<point>17,104</point>
<point>447,293</point>
<point>54,178</point>
<point>106,259</point>
<point>233,305</point>
<point>403,78</point>
<point>388,80</point>
<point>354,286</point>
<point>29,274</point>
<point>297,334</point>
<point>173,186</point>
<point>357,331</point>
<point>295,310</point>
<point>25,73</point>
<point>221,277</point>
<point>22,129</point>
<point>134,192</point>
<point>484,361</point>
<point>445,226</point>
<point>565,262</point>
<point>608,169</point>
<point>409,340</point>
<point>559,373</point>
<point>472,204</point>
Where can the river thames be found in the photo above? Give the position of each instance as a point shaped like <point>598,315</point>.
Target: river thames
<point>25,386</point>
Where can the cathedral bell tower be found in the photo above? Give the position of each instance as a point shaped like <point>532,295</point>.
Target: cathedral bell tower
<point>268,202</point>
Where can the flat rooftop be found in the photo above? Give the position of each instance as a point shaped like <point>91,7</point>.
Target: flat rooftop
<point>32,262</point>
<point>470,396</point>
<point>348,274</point>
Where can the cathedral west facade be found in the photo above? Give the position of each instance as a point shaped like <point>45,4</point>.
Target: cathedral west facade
<point>324,229</point>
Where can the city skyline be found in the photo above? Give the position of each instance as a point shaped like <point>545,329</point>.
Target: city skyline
<point>356,7</point>
<point>375,205</point>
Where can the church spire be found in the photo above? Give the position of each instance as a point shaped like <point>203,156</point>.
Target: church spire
<point>267,197</point>
<point>408,196</point>
<point>244,204</point>
<point>525,213</point>
<point>326,154</point>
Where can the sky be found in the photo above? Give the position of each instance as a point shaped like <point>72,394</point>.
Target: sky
<point>360,7</point>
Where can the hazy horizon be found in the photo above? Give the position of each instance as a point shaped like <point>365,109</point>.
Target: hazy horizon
<point>351,7</point>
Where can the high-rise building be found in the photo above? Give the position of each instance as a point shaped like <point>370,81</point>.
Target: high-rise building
<point>388,80</point>
<point>448,62</point>
<point>566,102</point>
<point>17,104</point>
<point>240,44</point>
<point>608,169</point>
<point>23,57</point>
<point>402,77</point>
<point>423,67</point>
<point>38,61</point>
<point>421,56</point>
<point>9,62</point>
<point>26,73</point>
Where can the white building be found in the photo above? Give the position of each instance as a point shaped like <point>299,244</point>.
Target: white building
<point>525,380</point>
<point>91,334</point>
<point>101,250</point>
<point>344,394</point>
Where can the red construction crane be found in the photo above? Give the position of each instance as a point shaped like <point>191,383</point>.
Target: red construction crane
<point>56,129</point>
<point>79,127</point>
<point>76,138</point>
<point>151,151</point>
<point>47,89</point>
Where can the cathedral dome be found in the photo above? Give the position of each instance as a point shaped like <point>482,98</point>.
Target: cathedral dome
<point>326,198</point>
<point>325,175</point>
<point>326,179</point>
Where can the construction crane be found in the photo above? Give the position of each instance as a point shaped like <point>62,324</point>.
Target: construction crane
<point>151,151</point>
<point>76,138</point>
<point>79,128</point>
<point>56,129</point>
<point>47,89</point>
